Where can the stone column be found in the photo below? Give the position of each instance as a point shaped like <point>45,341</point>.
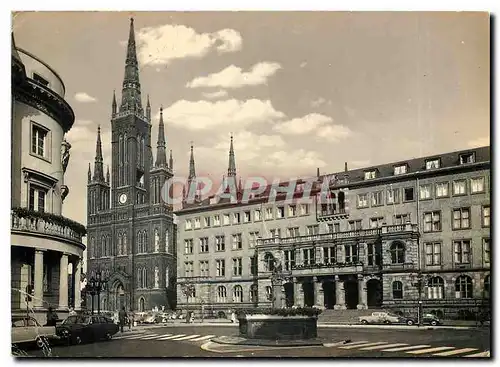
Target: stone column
<point>38,281</point>
<point>76,288</point>
<point>362,296</point>
<point>319,296</point>
<point>339,294</point>
<point>63,282</point>
<point>298,293</point>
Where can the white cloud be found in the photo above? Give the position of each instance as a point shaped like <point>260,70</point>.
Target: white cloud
<point>303,64</point>
<point>319,102</point>
<point>84,97</point>
<point>205,115</point>
<point>302,125</point>
<point>160,45</point>
<point>235,77</point>
<point>214,95</point>
<point>313,122</point>
<point>479,142</point>
<point>333,132</point>
<point>248,147</point>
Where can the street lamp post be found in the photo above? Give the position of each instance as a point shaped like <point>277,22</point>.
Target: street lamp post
<point>419,283</point>
<point>96,285</point>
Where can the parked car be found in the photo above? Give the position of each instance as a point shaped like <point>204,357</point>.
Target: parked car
<point>429,319</point>
<point>385,318</point>
<point>25,329</point>
<point>84,328</point>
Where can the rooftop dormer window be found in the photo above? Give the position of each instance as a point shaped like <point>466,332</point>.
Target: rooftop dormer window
<point>370,174</point>
<point>401,169</point>
<point>467,158</point>
<point>432,163</point>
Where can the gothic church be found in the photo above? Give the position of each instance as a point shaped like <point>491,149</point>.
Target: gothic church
<point>131,232</point>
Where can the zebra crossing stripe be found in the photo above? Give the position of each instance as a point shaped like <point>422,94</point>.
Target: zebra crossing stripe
<point>384,346</point>
<point>202,338</point>
<point>172,337</point>
<point>161,337</point>
<point>453,352</point>
<point>138,336</point>
<point>186,337</point>
<point>147,337</point>
<point>362,345</point>
<point>405,348</point>
<point>429,350</point>
<point>482,354</point>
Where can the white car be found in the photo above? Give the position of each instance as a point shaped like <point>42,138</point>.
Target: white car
<point>26,329</point>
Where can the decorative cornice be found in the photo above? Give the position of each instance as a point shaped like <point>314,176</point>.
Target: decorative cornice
<point>45,100</point>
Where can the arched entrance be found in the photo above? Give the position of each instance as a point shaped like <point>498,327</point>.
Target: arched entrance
<point>308,288</point>
<point>142,306</point>
<point>374,293</point>
<point>351,293</point>
<point>289,295</point>
<point>120,297</point>
<point>329,294</point>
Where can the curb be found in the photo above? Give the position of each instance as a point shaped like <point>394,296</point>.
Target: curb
<point>267,343</point>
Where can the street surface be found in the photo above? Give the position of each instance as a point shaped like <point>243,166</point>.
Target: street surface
<point>194,341</point>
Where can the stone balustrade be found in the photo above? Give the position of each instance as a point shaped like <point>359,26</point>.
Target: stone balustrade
<point>45,227</point>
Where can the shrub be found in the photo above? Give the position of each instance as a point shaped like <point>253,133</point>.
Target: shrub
<point>52,218</point>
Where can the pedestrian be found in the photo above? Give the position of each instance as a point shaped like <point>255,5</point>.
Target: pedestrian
<point>51,317</point>
<point>122,316</point>
<point>130,319</point>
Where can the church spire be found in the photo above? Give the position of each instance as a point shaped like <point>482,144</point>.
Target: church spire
<point>131,90</point>
<point>148,110</point>
<point>98,164</point>
<point>113,105</point>
<point>231,171</point>
<point>192,172</point>
<point>161,155</point>
<point>107,176</point>
<point>171,161</point>
<point>89,175</point>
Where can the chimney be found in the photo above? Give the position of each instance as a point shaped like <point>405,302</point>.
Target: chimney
<point>345,167</point>
<point>317,171</point>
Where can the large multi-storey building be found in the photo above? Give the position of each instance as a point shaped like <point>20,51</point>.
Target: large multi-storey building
<point>131,233</point>
<point>387,236</point>
<point>46,248</point>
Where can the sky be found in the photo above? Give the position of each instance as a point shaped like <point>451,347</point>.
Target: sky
<point>299,91</point>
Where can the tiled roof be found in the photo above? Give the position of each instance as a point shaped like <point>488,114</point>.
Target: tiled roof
<point>357,175</point>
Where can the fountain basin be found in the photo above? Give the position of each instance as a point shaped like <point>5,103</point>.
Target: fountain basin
<point>276,327</point>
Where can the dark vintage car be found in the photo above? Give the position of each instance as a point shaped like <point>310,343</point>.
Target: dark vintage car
<point>429,319</point>
<point>85,328</point>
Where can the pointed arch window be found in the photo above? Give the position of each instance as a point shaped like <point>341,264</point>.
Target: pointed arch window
<point>124,247</point>
<point>167,277</point>
<point>102,252</point>
<point>125,145</point>
<point>145,242</point>
<point>139,242</point>
<point>397,290</point>
<point>463,287</point>
<point>143,152</point>
<point>435,288</point>
<point>139,278</point>
<point>119,244</point>
<point>144,278</point>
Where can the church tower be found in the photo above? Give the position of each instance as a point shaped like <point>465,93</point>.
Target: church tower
<point>131,233</point>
